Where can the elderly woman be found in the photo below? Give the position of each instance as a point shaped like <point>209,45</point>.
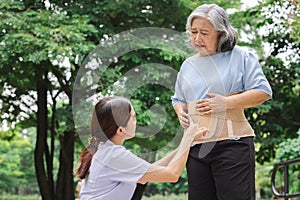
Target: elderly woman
<point>214,87</point>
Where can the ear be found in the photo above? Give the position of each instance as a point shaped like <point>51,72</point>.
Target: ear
<point>120,131</point>
<point>220,34</point>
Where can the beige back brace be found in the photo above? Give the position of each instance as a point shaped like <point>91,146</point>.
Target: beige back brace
<point>224,125</point>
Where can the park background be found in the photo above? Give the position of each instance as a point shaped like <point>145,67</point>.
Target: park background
<point>43,44</point>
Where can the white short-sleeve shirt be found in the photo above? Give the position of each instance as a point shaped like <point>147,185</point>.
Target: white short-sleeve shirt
<point>113,175</point>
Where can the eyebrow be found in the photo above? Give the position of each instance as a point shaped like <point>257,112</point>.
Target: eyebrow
<point>192,28</point>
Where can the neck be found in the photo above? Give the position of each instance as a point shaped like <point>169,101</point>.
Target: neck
<point>117,140</point>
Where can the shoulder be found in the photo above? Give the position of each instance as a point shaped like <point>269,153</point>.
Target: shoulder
<point>245,52</point>
<point>116,155</point>
<point>108,150</point>
<point>187,61</point>
<point>238,50</point>
<point>185,66</point>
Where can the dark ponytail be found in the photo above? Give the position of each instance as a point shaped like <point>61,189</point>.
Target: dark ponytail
<point>85,160</point>
<point>108,115</point>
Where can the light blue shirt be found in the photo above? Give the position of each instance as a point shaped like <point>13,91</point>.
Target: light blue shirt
<point>114,172</point>
<point>222,73</point>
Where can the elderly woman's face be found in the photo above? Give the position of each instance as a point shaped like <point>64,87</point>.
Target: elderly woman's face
<point>203,36</point>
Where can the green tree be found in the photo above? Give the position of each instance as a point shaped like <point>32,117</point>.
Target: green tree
<point>16,156</point>
<point>37,39</point>
<point>289,150</point>
<point>121,16</point>
<point>34,43</point>
<point>275,28</point>
<point>43,48</point>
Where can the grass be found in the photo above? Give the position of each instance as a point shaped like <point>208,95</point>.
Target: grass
<point>155,197</point>
<point>167,197</point>
<point>19,197</point>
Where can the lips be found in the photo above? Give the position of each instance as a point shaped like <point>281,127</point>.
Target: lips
<point>199,45</point>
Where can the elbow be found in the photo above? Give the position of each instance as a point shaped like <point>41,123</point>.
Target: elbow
<point>174,178</point>
<point>261,101</point>
<point>262,97</point>
<point>142,182</point>
<point>269,96</point>
<point>173,173</point>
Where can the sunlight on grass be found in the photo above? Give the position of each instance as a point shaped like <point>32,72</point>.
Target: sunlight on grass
<point>19,197</point>
<point>167,197</point>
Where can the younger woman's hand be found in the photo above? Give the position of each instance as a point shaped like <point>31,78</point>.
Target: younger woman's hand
<point>200,133</point>
<point>196,132</point>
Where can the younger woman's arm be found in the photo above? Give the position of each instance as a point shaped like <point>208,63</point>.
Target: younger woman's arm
<point>171,172</point>
<point>166,160</point>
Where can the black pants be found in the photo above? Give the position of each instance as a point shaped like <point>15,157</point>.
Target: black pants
<point>227,172</point>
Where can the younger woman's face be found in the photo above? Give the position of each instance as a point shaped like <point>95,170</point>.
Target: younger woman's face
<point>131,125</point>
<point>203,36</point>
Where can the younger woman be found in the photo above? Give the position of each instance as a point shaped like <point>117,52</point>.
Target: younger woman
<point>108,169</point>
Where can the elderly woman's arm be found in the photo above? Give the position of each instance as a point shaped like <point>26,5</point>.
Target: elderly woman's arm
<point>218,103</point>
<point>246,99</point>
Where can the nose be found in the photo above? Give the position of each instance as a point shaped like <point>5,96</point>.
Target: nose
<point>198,37</point>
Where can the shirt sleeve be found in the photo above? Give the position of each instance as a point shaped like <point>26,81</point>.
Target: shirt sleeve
<point>254,77</point>
<point>178,96</point>
<point>126,167</point>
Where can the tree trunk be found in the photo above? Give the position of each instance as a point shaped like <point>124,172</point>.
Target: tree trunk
<point>46,189</point>
<point>65,182</point>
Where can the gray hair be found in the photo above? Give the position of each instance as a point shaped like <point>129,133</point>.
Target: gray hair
<point>220,21</point>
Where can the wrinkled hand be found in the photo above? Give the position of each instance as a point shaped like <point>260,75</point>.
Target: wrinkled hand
<point>184,117</point>
<point>214,104</point>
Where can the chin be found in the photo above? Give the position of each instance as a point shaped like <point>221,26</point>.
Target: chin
<point>203,53</point>
<point>202,50</point>
<point>131,136</point>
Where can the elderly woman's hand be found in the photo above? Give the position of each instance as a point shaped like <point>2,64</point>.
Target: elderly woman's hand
<point>184,119</point>
<point>214,104</point>
<point>182,114</point>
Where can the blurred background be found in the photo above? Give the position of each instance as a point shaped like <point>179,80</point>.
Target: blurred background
<point>43,45</point>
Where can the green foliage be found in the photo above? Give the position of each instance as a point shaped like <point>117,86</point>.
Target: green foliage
<point>178,188</point>
<point>289,149</point>
<point>16,161</point>
<point>277,119</point>
<point>155,197</point>
<point>181,196</point>
<point>33,37</point>
<point>8,135</point>
<point>263,180</point>
<point>19,197</point>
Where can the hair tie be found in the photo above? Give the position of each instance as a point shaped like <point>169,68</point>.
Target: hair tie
<point>94,141</point>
